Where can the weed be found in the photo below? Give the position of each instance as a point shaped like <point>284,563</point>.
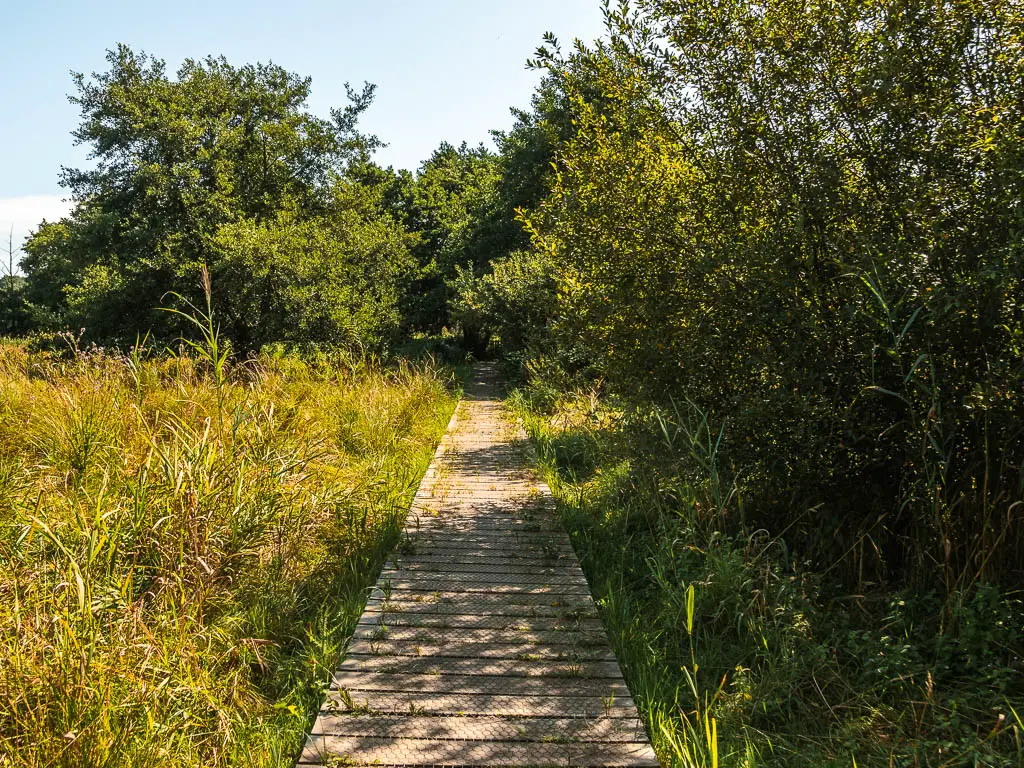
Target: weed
<point>528,657</point>
<point>608,702</point>
<point>346,698</point>
<point>407,546</point>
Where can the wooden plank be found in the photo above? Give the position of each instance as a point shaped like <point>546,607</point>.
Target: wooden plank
<point>369,751</point>
<point>518,729</point>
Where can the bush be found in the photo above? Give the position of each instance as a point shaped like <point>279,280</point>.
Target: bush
<point>805,219</point>
<point>509,306</point>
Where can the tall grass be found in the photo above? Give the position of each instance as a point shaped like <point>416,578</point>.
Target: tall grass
<point>185,545</point>
<point>738,649</point>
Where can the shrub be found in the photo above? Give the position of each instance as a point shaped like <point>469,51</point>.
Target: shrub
<point>805,219</point>
<point>511,305</point>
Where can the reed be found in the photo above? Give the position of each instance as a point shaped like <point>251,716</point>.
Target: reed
<point>186,541</point>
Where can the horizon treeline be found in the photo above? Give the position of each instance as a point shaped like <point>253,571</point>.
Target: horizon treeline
<point>306,238</point>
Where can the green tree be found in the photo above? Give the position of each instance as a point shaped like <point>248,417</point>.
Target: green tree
<point>486,297</point>
<point>513,302</point>
<point>176,159</point>
<point>806,219</point>
<point>15,317</point>
<point>334,279</point>
<point>453,195</point>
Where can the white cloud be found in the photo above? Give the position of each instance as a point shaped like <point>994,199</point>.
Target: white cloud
<point>24,214</point>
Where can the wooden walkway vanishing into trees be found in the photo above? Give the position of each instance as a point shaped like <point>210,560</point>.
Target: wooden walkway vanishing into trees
<point>480,643</point>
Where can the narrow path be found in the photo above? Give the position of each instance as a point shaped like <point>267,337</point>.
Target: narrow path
<point>480,643</point>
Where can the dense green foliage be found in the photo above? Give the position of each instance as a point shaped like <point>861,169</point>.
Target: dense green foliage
<point>452,203</point>
<point>15,315</point>
<point>465,208</point>
<point>807,221</point>
<point>511,304</point>
<point>333,281</point>
<point>182,165</point>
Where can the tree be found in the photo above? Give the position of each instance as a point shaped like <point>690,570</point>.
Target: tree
<point>335,279</point>
<point>15,317</point>
<point>806,219</point>
<point>176,160</point>
<point>466,205</point>
<point>453,197</point>
<point>514,301</point>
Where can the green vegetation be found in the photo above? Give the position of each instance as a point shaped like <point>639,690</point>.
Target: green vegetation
<point>738,651</point>
<point>757,270</point>
<point>823,252</point>
<point>185,544</point>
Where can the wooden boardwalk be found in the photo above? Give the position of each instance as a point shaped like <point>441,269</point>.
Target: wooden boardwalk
<point>480,643</point>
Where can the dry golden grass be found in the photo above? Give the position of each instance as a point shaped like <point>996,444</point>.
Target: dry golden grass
<point>180,566</point>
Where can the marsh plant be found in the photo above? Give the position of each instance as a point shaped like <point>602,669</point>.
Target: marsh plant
<point>186,540</point>
<point>739,649</point>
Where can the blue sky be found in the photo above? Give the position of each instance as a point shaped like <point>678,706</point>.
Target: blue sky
<point>446,70</point>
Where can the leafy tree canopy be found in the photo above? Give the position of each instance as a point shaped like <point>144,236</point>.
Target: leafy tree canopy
<point>452,202</point>
<point>176,160</point>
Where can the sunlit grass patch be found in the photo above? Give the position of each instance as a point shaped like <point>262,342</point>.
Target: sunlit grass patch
<point>180,566</point>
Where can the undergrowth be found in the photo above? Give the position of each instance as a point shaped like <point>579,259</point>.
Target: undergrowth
<point>739,651</point>
<point>186,542</point>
